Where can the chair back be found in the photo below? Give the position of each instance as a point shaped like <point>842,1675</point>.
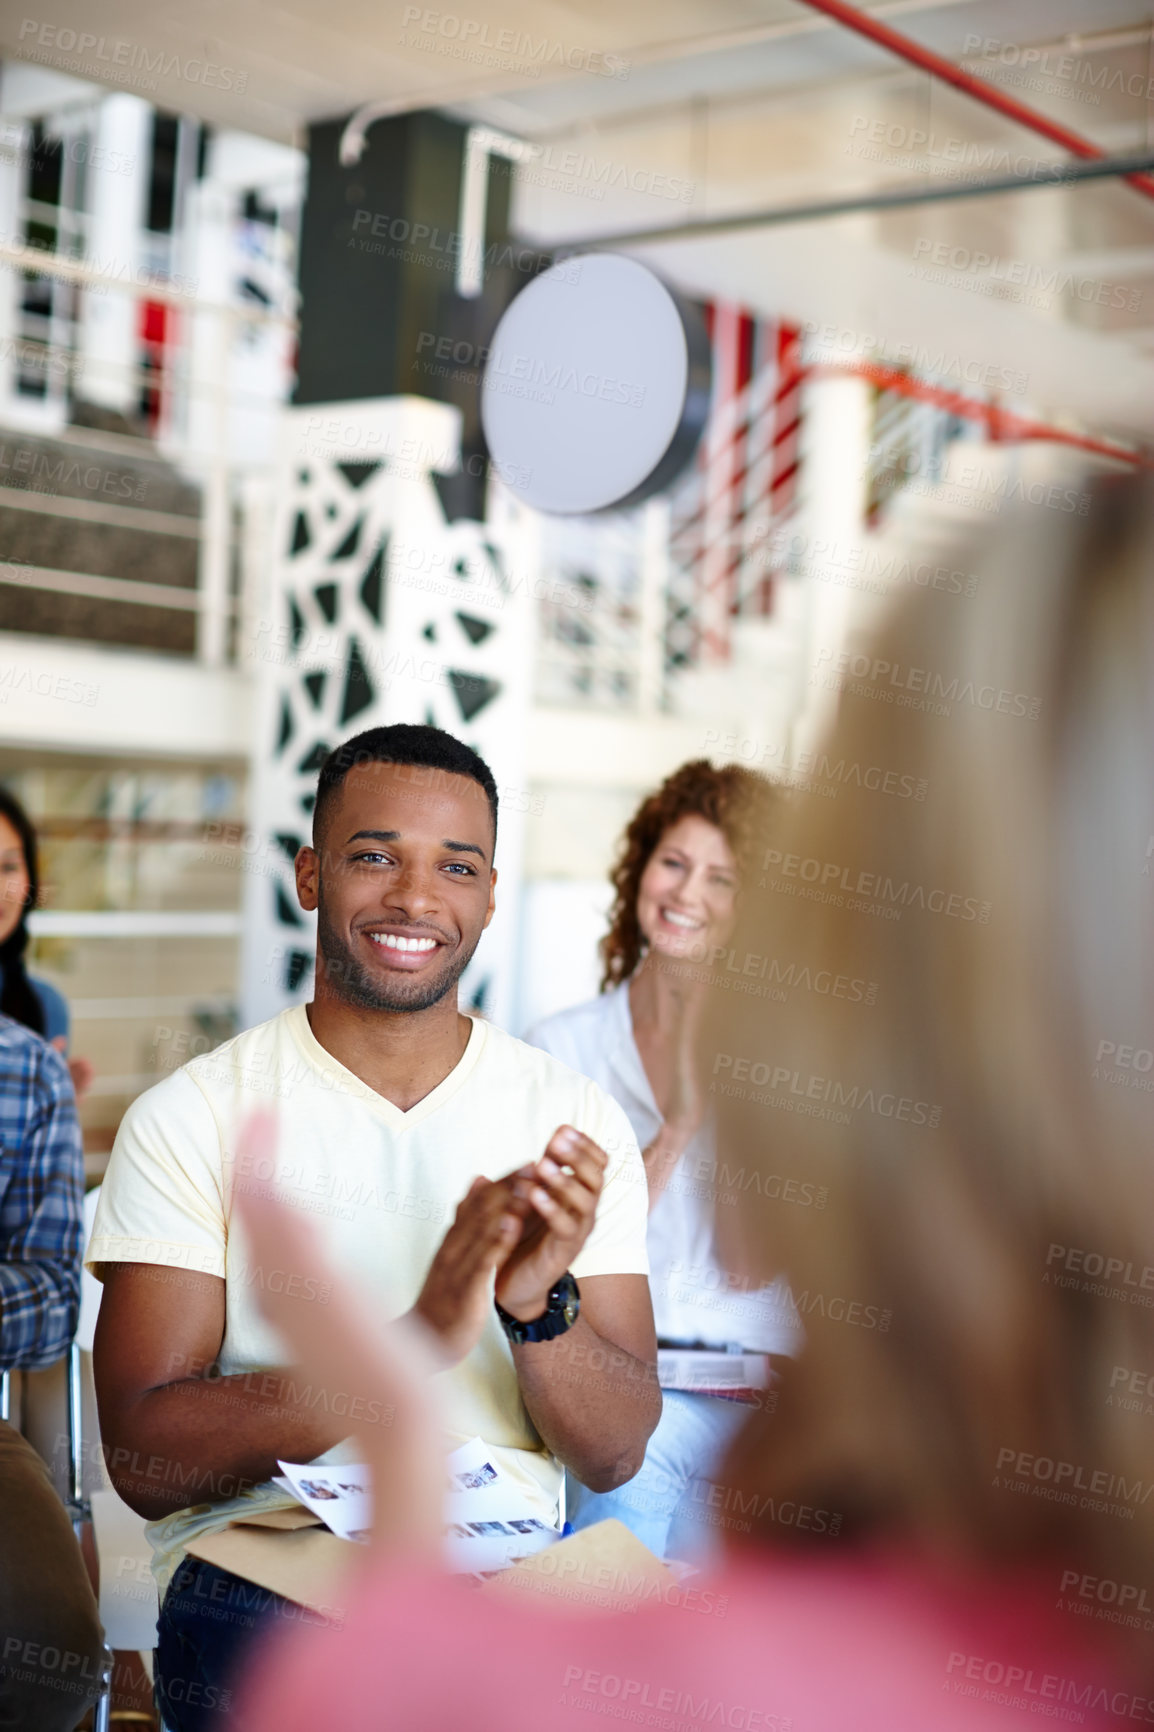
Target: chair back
<point>90,1288</point>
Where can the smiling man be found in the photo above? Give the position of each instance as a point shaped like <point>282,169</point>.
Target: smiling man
<point>464,1177</point>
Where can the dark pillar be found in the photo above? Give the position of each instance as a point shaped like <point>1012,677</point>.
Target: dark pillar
<point>379,313</point>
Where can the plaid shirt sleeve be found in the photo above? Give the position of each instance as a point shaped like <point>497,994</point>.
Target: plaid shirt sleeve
<point>41,1201</point>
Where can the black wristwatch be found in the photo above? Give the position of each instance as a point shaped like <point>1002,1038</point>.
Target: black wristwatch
<point>560,1314</point>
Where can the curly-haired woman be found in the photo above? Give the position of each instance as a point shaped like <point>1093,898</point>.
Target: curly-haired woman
<point>677,879</point>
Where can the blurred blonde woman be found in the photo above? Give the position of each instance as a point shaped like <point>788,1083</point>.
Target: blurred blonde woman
<point>968,1415</point>
<point>984,1131</point>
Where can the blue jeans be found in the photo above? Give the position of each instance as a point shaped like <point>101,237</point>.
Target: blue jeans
<point>211,1626</point>
<point>666,1504</point>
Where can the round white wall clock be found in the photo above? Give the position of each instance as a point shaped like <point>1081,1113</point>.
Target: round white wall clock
<point>596,386</point>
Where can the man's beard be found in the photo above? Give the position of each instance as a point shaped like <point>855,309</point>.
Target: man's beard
<point>352,981</point>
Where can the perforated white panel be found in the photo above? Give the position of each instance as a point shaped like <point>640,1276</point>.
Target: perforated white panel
<point>379,610</point>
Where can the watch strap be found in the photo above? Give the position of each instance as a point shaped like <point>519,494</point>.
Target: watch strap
<point>559,1315</point>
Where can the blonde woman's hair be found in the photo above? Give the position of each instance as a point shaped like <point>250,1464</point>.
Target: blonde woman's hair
<point>969,1231</point>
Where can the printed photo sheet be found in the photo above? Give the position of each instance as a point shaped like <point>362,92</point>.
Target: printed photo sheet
<point>489,1524</point>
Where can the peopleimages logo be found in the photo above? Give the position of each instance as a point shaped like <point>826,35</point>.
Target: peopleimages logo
<point>1047,1694</point>
<point>827,880</point>
<point>828,1090</point>
<point>1070,1483</point>
<point>531,371</point>
<point>840,342</point>
<point>16,146</point>
<point>792,974</point>
<point>1070,68</point>
<point>1103,1276</point>
<point>427,239</point>
<point>472,39</point>
<point>624,1698</point>
<point>856,566</point>
<point>32,255</point>
<point>1046,280</point>
<point>948,689</point>
<point>43,684</point>
<point>110,52</point>
<point>593,175</point>
<point>508,372</point>
<point>39,467</point>
<point>1105,1600</point>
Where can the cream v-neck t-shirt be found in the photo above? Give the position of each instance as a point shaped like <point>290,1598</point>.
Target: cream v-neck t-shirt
<point>381,1187</point>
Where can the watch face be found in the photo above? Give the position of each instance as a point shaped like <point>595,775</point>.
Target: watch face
<point>569,1295</point>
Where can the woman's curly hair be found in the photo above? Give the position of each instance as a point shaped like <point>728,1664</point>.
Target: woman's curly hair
<point>737,801</point>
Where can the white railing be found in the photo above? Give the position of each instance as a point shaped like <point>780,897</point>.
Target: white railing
<point>727,512</point>
<point>604,582</point>
<point>169,324</point>
<point>908,442</point>
<point>659,587</point>
<point>218,531</point>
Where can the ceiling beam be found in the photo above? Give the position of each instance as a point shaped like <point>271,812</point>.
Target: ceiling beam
<point>980,90</point>
<point>853,204</point>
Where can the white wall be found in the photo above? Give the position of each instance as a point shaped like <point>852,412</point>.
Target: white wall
<point>67,696</point>
<point>562,923</point>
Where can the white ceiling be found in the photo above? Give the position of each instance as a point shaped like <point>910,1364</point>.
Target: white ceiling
<point>747,104</point>
<point>789,48</point>
<point>292,61</point>
<point>301,62</point>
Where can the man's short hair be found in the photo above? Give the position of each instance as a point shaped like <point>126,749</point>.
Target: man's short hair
<point>402,743</point>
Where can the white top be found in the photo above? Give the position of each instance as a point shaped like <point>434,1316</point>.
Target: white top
<point>381,1187</point>
<point>694,1298</point>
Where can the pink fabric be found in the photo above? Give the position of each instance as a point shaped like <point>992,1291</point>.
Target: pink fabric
<point>778,1646</point>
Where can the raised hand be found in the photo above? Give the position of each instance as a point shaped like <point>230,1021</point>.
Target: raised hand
<point>678,1095</point>
<point>340,1348</point>
<point>561,1192</point>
